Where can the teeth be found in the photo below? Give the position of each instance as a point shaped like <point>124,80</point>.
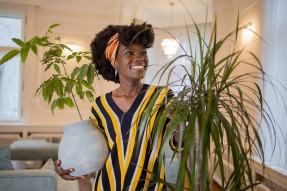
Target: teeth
<point>138,67</point>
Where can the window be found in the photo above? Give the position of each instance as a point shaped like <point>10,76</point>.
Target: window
<point>274,63</point>
<point>10,72</point>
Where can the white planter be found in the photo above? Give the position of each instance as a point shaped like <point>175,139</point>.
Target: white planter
<point>83,147</point>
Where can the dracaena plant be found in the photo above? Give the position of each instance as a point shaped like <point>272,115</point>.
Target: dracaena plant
<point>61,87</point>
<point>218,112</point>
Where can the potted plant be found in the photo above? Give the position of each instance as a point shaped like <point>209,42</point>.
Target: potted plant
<point>214,113</point>
<point>60,90</point>
<point>218,112</point>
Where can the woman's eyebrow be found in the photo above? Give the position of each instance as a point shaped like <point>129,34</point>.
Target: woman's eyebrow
<point>132,48</point>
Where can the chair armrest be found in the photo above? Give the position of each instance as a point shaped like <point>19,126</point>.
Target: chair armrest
<point>27,180</point>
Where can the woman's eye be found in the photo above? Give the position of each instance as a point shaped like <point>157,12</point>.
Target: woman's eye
<point>129,53</point>
<point>144,53</point>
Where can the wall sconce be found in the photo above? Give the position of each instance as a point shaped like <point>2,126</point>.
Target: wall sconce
<point>248,32</point>
<point>74,47</point>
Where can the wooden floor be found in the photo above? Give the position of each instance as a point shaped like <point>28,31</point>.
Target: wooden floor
<point>215,187</point>
<point>85,185</point>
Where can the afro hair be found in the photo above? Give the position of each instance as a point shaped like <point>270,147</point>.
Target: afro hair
<point>128,34</point>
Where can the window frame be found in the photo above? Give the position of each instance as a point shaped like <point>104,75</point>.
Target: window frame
<point>15,13</point>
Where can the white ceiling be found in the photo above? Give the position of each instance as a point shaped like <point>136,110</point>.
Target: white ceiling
<point>162,14</point>
<point>156,12</point>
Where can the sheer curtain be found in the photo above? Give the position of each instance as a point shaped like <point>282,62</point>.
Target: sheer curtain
<point>274,59</point>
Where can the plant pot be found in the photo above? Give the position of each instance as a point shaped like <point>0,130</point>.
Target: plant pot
<point>83,147</point>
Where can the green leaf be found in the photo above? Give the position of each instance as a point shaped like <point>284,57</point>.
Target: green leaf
<point>78,58</point>
<point>90,96</point>
<point>33,40</point>
<point>18,42</point>
<point>260,95</point>
<point>48,90</point>
<point>69,102</point>
<point>9,56</point>
<point>59,88</point>
<point>79,87</point>
<point>44,39</point>
<point>83,72</point>
<point>59,52</point>
<point>61,103</point>
<point>90,87</point>
<point>88,57</point>
<point>24,52</point>
<point>54,104</point>
<point>34,49</point>
<point>75,72</point>
<point>82,95</point>
<point>68,87</point>
<point>57,68</point>
<point>58,39</point>
<point>63,46</point>
<point>70,57</point>
<point>49,66</point>
<point>54,25</point>
<point>41,41</point>
<point>91,74</point>
<point>33,46</point>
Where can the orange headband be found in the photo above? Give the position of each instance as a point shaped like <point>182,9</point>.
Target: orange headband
<point>111,49</point>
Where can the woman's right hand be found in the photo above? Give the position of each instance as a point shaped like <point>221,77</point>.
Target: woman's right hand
<point>64,174</point>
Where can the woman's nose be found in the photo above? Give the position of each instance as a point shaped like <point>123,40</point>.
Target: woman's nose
<point>139,57</point>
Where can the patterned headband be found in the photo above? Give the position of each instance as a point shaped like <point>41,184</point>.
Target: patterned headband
<point>112,48</point>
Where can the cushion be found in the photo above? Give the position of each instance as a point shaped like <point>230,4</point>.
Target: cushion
<point>5,162</point>
<point>49,165</point>
<point>34,150</point>
<point>61,183</point>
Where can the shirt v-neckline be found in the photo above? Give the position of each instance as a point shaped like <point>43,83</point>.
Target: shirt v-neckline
<point>134,105</point>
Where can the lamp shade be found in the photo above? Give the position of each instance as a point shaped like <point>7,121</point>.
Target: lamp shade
<point>169,47</point>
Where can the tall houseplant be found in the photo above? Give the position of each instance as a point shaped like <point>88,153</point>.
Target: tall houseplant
<point>61,88</point>
<point>83,146</point>
<point>218,112</point>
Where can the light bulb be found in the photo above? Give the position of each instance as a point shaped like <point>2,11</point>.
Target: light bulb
<point>169,47</point>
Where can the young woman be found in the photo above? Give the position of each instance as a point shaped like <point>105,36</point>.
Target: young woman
<point>120,55</point>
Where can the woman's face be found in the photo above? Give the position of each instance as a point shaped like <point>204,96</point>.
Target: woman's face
<point>131,62</point>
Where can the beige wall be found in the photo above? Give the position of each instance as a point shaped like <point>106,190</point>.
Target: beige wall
<point>249,11</point>
<point>79,26</point>
<point>226,12</point>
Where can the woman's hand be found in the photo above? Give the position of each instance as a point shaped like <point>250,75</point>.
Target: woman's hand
<point>64,174</point>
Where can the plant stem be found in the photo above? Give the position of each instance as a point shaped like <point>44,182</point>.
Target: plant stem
<point>76,106</point>
<point>72,93</point>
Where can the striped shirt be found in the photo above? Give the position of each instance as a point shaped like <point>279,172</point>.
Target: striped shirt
<point>124,168</point>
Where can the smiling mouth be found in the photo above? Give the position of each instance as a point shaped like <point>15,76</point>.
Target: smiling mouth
<point>138,67</point>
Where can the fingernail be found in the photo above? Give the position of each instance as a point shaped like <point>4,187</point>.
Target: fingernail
<point>71,169</point>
